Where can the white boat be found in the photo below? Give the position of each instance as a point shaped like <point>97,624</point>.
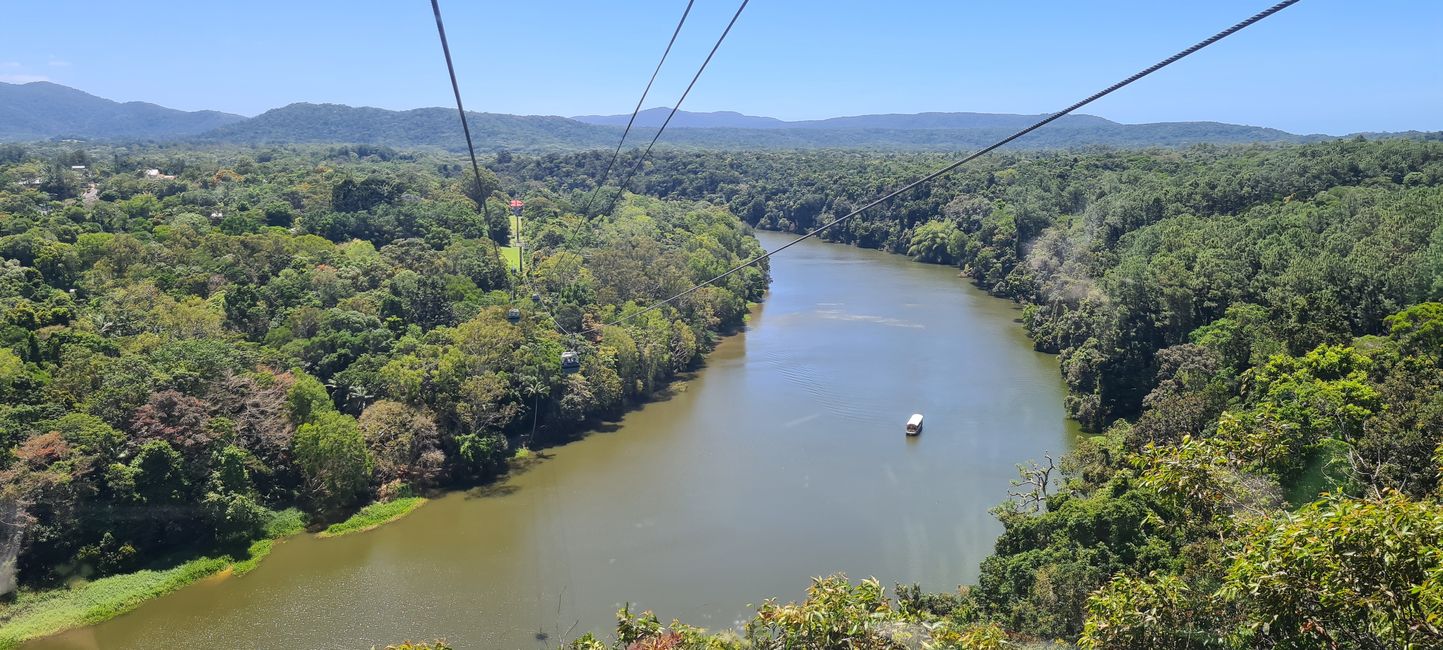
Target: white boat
<point>914,424</point>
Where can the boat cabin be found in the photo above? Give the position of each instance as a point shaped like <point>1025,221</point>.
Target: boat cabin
<point>914,424</point>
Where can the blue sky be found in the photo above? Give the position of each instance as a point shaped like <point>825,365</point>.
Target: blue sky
<point>1322,66</point>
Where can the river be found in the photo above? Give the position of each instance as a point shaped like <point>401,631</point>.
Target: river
<point>783,459</point>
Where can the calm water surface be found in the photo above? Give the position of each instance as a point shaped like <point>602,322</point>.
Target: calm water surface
<point>783,459</point>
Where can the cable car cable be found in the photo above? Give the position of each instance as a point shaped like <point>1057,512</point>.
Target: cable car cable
<point>476,169</point>
<point>607,171</point>
<point>622,187</point>
<point>465,128</point>
<point>954,165</point>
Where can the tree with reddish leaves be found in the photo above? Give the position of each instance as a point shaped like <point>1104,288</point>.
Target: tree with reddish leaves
<point>260,412</point>
<point>183,422</point>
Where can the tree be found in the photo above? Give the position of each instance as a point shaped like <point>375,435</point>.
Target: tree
<point>352,196</point>
<point>1419,330</point>
<point>418,299</point>
<point>1343,573</point>
<point>176,418</point>
<point>1325,392</point>
<point>1155,611</point>
<point>307,399</point>
<point>157,475</point>
<point>13,375</point>
<point>244,310</point>
<point>936,242</point>
<point>404,443</point>
<point>1395,450</point>
<point>234,518</point>
<point>333,459</point>
<point>60,183</point>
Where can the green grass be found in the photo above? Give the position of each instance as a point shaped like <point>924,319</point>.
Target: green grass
<point>35,614</point>
<point>286,523</point>
<point>373,516</point>
<point>512,255</point>
<point>41,613</point>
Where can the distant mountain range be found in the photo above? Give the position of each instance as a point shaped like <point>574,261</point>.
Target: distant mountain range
<point>654,117</point>
<point>42,110</point>
<point>46,111</point>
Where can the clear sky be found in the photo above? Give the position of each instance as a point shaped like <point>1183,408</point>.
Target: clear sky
<point>1321,66</point>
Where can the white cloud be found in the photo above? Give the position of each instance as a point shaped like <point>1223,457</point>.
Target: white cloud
<point>59,63</point>
<point>22,78</point>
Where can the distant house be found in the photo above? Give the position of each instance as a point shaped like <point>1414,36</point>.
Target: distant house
<point>155,173</point>
<point>217,215</point>
<point>78,167</point>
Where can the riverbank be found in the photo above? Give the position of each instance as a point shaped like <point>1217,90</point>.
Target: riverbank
<point>35,614</point>
<point>41,613</point>
<point>374,516</point>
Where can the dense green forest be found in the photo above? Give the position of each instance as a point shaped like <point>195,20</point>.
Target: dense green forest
<point>194,343</point>
<point>1120,253</point>
<point>1254,335</point>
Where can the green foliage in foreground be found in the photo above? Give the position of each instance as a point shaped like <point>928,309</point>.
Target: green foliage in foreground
<point>1339,573</point>
<point>414,645</point>
<point>835,614</point>
<point>374,515</point>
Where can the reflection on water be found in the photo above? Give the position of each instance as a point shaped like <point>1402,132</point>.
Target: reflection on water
<point>784,459</point>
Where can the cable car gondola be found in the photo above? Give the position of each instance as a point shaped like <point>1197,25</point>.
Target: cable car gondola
<point>536,297</point>
<point>513,315</point>
<point>570,362</point>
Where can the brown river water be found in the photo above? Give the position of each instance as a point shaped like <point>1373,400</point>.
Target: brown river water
<point>783,459</point>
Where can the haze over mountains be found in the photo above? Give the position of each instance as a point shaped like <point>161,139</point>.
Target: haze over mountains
<point>654,117</point>
<point>44,111</point>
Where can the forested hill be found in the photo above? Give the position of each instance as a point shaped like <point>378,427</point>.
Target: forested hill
<point>436,127</point>
<point>43,110</point>
<point>421,127</point>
